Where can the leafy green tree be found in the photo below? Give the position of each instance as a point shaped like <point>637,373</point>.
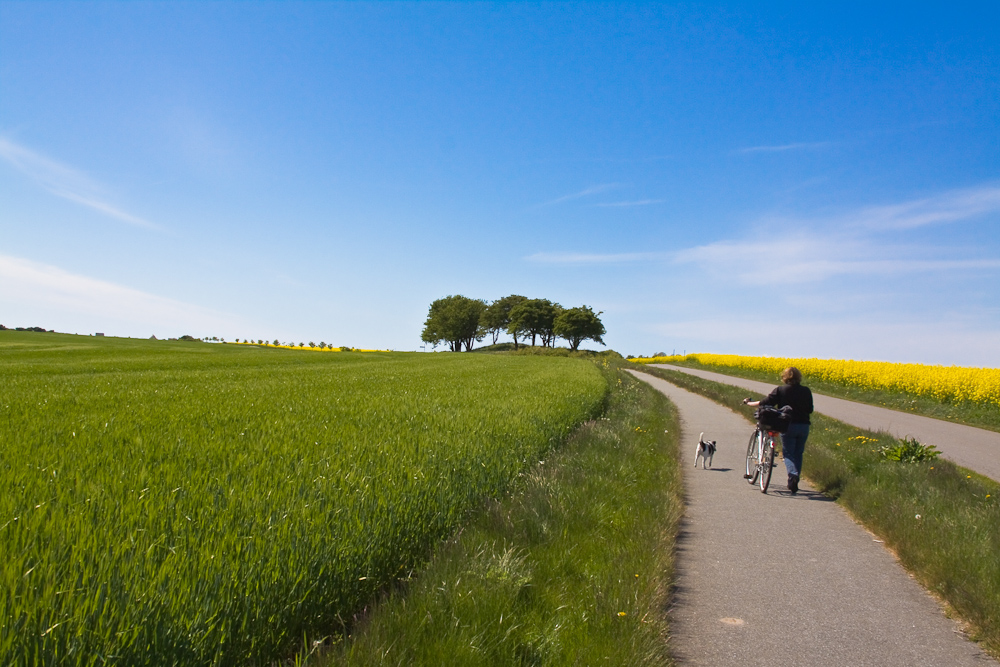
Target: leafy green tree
<point>579,324</point>
<point>535,317</point>
<point>454,320</point>
<point>496,318</point>
<point>548,333</point>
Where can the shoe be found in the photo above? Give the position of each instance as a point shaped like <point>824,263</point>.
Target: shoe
<point>793,483</point>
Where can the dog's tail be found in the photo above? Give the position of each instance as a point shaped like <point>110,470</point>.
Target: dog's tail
<point>701,438</point>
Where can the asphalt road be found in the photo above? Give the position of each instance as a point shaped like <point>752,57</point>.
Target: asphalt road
<point>973,448</point>
<point>782,580</point>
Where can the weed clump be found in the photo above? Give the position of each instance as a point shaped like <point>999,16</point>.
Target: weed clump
<point>908,450</point>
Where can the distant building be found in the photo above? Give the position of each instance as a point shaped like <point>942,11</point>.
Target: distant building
<point>98,334</point>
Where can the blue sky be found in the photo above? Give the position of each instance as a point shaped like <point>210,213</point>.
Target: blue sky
<point>716,178</point>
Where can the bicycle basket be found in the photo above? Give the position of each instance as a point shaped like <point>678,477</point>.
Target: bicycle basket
<point>772,419</point>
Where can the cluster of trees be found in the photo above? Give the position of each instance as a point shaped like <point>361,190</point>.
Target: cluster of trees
<point>35,329</point>
<point>459,321</point>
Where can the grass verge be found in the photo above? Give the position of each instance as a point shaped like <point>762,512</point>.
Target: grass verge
<point>574,568</point>
<point>983,416</point>
<point>941,520</point>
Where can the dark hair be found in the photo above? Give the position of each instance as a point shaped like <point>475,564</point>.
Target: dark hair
<point>791,375</point>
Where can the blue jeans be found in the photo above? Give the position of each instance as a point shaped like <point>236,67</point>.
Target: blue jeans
<point>793,443</point>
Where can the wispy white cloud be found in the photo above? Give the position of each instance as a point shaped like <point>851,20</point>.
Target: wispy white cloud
<point>586,192</point>
<point>66,182</point>
<point>49,289</point>
<point>812,258</point>
<point>813,145</point>
<point>864,336</point>
<point>812,253</point>
<point>851,244</point>
<point>809,257</point>
<point>856,286</point>
<point>641,202</point>
<point>948,207</point>
<point>105,208</point>
<point>593,258</point>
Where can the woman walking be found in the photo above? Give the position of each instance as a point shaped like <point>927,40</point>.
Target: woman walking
<point>793,441</point>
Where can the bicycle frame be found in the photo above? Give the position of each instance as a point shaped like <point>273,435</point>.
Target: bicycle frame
<point>760,458</point>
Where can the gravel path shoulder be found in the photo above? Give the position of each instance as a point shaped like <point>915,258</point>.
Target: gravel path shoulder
<point>784,580</point>
<point>970,447</point>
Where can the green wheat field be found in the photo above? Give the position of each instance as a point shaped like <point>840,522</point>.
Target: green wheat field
<point>189,503</point>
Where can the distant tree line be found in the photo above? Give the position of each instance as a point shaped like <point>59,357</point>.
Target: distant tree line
<point>35,329</point>
<point>459,322</point>
<point>322,345</point>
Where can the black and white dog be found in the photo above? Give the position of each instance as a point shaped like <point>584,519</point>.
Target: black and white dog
<point>705,451</point>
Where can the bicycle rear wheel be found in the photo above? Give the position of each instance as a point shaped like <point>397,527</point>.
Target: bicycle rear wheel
<point>767,462</point>
<point>753,458</point>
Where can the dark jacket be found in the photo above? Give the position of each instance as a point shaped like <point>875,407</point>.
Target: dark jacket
<point>795,395</point>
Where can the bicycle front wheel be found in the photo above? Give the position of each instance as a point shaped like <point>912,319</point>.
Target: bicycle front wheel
<point>767,462</point>
<point>753,458</point>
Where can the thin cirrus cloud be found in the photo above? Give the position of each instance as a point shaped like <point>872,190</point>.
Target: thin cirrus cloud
<point>593,258</point>
<point>586,192</point>
<point>47,289</point>
<point>813,254</point>
<point>951,206</point>
<point>65,182</point>
<point>624,204</point>
<point>815,258</point>
<point>781,148</point>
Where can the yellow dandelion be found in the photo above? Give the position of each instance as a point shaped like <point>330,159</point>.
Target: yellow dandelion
<point>621,613</point>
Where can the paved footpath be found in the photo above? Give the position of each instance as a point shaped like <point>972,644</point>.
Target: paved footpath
<point>970,447</point>
<point>788,581</point>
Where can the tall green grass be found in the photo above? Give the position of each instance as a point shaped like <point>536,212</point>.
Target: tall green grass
<point>572,569</point>
<point>193,504</point>
<point>942,521</point>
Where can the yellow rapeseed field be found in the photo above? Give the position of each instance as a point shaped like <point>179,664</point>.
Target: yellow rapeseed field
<point>957,384</point>
<point>314,348</point>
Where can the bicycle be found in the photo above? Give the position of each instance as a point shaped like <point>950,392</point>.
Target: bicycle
<point>760,457</point>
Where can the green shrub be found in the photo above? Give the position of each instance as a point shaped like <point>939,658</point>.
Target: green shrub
<point>908,450</point>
